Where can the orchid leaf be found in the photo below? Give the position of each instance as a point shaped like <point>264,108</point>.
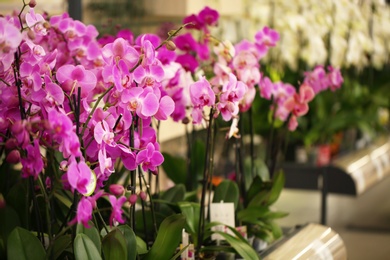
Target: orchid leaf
<point>243,248</point>
<point>174,194</point>
<point>9,220</point>
<point>227,191</point>
<point>141,246</point>
<point>175,168</point>
<point>22,244</point>
<point>191,211</point>
<point>168,238</point>
<point>60,245</point>
<point>92,233</point>
<point>277,187</point>
<point>114,245</point>
<point>131,241</point>
<point>84,248</point>
<point>252,213</point>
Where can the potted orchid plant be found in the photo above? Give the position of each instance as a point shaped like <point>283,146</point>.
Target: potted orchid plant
<point>79,146</point>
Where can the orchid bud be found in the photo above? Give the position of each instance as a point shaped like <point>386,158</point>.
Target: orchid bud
<point>13,157</point>
<point>117,189</point>
<point>64,166</point>
<point>185,120</point>
<point>46,25</point>
<point>132,199</point>
<point>142,195</point>
<point>170,45</point>
<point>32,3</point>
<point>11,144</point>
<point>2,201</point>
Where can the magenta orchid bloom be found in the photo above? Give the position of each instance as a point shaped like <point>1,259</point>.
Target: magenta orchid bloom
<point>79,175</point>
<point>73,77</point>
<point>84,212</point>
<point>116,214</point>
<point>35,22</point>
<point>143,101</point>
<point>317,79</point>
<point>60,124</point>
<point>232,93</point>
<point>208,16</point>
<point>150,76</point>
<point>120,49</point>
<point>335,78</point>
<point>193,22</point>
<point>149,158</point>
<point>264,39</point>
<point>85,209</point>
<point>10,38</point>
<point>32,163</point>
<point>201,93</point>
<point>188,62</point>
<point>186,42</point>
<point>103,133</point>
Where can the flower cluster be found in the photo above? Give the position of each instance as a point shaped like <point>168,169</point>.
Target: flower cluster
<point>94,101</point>
<point>63,90</point>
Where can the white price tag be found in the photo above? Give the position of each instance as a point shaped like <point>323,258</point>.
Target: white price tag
<point>224,213</point>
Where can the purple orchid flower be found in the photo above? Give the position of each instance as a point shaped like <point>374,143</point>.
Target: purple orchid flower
<point>149,158</point>
<point>73,77</point>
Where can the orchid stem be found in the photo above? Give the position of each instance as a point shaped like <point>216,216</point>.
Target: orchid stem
<point>208,160</point>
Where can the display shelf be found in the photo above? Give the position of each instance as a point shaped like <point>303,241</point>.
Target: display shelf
<point>350,174</point>
<point>311,241</point>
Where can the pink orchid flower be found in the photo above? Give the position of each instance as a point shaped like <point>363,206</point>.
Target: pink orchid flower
<point>140,100</point>
<point>116,214</point>
<point>79,175</point>
<point>149,158</point>
<point>10,38</point>
<point>73,77</point>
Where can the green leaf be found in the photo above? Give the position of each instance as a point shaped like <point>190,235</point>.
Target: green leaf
<point>64,200</point>
<point>191,211</point>
<point>92,233</point>
<point>9,220</point>
<point>141,246</point>
<point>252,213</point>
<point>22,244</point>
<point>84,248</point>
<point>60,244</point>
<point>277,232</point>
<point>131,241</point>
<point>114,245</point>
<point>174,194</point>
<point>227,191</point>
<point>259,199</point>
<point>16,198</point>
<point>175,168</point>
<point>275,215</point>
<point>255,187</point>
<point>168,238</point>
<point>277,187</point>
<point>243,248</point>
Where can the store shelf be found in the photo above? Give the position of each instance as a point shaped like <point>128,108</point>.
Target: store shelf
<point>350,174</point>
<point>312,241</point>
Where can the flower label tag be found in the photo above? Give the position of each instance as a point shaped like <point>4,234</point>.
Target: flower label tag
<point>188,253</point>
<point>223,213</point>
